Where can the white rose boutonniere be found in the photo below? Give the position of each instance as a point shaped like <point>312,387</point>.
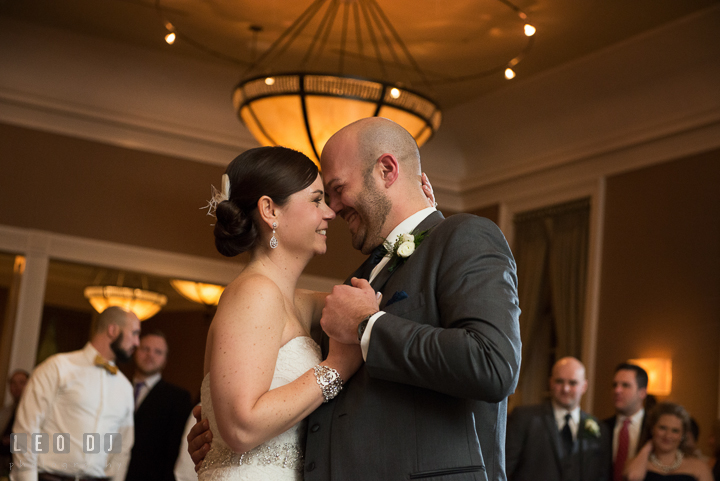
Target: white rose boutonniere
<point>403,248</point>
<point>406,249</point>
<point>591,426</point>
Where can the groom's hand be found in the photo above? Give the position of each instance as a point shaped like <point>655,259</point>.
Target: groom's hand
<point>199,438</point>
<point>345,308</point>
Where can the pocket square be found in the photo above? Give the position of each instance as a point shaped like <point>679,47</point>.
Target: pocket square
<point>398,296</point>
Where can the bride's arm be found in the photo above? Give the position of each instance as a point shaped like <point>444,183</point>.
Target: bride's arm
<point>310,304</point>
<point>247,335</point>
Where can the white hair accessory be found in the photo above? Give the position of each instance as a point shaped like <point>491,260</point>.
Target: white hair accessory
<point>218,196</point>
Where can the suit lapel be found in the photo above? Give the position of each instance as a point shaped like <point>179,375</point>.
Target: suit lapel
<point>148,398</point>
<point>384,275</point>
<point>581,441</point>
<point>556,442</point>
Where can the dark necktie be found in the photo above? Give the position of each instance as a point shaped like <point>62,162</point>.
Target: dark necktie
<point>138,388</point>
<point>623,447</point>
<point>566,435</point>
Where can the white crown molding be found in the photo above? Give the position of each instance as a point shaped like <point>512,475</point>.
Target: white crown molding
<point>595,167</point>
<point>140,259</point>
<point>120,129</point>
<point>608,148</point>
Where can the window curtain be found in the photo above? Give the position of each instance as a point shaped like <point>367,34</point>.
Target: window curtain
<point>551,249</point>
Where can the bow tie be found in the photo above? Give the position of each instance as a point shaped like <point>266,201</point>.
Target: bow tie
<point>100,361</point>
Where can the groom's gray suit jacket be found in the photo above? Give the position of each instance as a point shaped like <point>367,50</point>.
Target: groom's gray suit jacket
<point>430,401</point>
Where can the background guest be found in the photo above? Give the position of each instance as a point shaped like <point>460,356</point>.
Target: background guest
<point>76,393</point>
<point>629,392</point>
<point>691,439</point>
<point>161,410</point>
<point>666,455</point>
<point>184,465</point>
<point>16,383</point>
<point>556,441</point>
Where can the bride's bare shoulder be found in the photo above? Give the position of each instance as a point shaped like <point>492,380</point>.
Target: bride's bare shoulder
<point>250,292</point>
<point>250,283</point>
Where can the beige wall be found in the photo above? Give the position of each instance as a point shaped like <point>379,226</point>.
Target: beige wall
<point>660,289</point>
<point>88,189</point>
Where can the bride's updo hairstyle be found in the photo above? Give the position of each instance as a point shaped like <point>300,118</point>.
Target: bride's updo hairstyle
<point>277,172</point>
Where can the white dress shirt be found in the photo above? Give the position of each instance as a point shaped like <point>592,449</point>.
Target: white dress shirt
<point>146,388</point>
<point>633,432</point>
<point>560,412</point>
<point>184,465</point>
<point>67,393</point>
<point>403,227</point>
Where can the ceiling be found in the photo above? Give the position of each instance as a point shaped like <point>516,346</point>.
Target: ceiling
<point>447,39</point>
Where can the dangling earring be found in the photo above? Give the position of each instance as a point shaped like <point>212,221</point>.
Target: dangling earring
<point>273,239</point>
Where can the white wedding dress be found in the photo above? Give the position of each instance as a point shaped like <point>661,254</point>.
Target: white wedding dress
<point>280,458</point>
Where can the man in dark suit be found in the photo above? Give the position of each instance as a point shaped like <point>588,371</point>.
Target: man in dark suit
<point>627,426</point>
<point>555,440</point>
<point>442,349</point>
<point>161,410</point>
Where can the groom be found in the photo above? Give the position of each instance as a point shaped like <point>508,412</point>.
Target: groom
<point>442,353</point>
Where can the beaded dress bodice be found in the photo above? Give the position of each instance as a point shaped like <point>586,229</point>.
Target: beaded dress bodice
<point>280,458</point>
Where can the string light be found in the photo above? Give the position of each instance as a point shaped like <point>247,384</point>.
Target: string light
<point>509,73</point>
<point>529,30</point>
<point>170,37</point>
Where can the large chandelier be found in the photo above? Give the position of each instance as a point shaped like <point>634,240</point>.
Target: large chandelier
<point>144,304</point>
<point>356,66</point>
<point>338,62</point>
<point>141,302</point>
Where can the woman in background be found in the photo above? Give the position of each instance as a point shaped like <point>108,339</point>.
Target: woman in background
<point>665,456</point>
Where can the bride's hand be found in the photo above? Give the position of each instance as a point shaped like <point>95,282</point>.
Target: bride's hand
<point>428,190</point>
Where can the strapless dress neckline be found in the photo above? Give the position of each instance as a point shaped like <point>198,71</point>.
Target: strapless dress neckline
<point>278,459</point>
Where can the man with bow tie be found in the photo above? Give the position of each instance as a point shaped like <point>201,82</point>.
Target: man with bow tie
<point>84,405</point>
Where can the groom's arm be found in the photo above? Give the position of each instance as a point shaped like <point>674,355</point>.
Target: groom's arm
<point>476,351</point>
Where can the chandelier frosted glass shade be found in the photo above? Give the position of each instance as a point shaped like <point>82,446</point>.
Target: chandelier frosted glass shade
<point>208,294</point>
<point>144,304</point>
<point>302,111</point>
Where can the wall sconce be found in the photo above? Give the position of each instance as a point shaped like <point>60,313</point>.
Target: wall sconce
<point>659,374</point>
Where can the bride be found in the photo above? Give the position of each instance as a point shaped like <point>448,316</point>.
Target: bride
<point>263,373</point>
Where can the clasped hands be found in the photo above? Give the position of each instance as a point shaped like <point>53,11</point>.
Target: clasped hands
<point>345,307</point>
